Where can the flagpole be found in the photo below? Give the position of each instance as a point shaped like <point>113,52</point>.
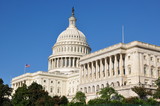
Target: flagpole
<point>122,33</point>
<point>24,69</point>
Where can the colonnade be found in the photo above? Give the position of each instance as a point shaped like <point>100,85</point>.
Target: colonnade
<point>18,84</point>
<point>102,68</point>
<point>62,62</point>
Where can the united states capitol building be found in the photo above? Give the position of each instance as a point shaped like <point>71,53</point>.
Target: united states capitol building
<point>72,67</point>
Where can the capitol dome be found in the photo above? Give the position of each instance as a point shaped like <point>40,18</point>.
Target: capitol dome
<point>71,44</point>
<point>71,34</point>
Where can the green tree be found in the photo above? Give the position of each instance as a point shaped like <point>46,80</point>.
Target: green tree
<point>158,82</point>
<point>44,101</point>
<point>97,101</point>
<point>141,92</point>
<point>134,100</point>
<point>20,96</point>
<point>56,100</point>
<point>157,93</point>
<point>63,100</point>
<point>35,93</point>
<point>109,93</point>
<point>151,101</point>
<point>5,92</point>
<point>80,97</point>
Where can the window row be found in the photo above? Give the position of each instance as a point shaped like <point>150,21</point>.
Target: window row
<point>94,89</point>
<point>78,49</point>
<point>151,71</point>
<point>72,36</point>
<point>151,58</point>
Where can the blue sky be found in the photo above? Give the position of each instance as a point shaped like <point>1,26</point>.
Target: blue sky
<point>29,28</point>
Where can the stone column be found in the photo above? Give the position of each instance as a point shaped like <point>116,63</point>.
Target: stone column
<point>106,67</point>
<point>82,49</point>
<point>61,62</point>
<point>65,61</point>
<point>88,72</point>
<point>77,62</point>
<point>84,79</point>
<point>54,63</point>
<point>57,62</point>
<point>96,69</point>
<point>101,69</point>
<point>81,74</point>
<point>124,64</point>
<point>121,65</point>
<point>69,61</point>
<point>92,68</point>
<point>73,64</point>
<point>141,65</point>
<point>110,66</point>
<point>49,64</point>
<point>115,65</point>
<point>137,62</point>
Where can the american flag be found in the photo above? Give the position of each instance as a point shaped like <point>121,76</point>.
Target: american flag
<point>27,65</point>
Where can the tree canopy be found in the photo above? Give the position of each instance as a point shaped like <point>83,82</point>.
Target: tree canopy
<point>108,93</point>
<point>31,96</point>
<point>5,92</point>
<point>79,97</point>
<point>141,92</point>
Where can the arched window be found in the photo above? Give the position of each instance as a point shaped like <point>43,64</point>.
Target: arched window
<point>129,69</point>
<point>118,84</point>
<point>107,85</point>
<point>152,71</point>
<point>58,90</point>
<point>145,69</point>
<point>93,89</point>
<point>158,71</point>
<point>112,84</point>
<point>102,86</point>
<point>97,88</point>
<point>81,89</point>
<point>89,89</point>
<point>51,90</point>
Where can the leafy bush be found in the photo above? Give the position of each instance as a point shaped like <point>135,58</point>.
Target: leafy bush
<point>97,101</point>
<point>134,100</point>
<point>151,101</point>
<point>76,104</point>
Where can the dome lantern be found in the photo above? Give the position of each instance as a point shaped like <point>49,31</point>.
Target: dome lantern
<point>72,20</point>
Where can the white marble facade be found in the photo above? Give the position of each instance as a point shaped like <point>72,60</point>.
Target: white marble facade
<point>121,66</point>
<point>71,66</point>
